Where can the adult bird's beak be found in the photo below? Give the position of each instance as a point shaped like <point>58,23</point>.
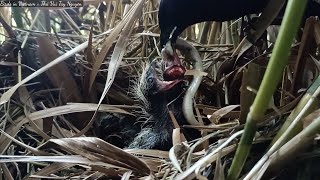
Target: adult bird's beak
<point>168,48</point>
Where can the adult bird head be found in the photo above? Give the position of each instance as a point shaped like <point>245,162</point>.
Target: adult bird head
<point>176,15</point>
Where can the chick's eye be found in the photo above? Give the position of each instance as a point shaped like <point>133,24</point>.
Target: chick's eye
<point>150,80</point>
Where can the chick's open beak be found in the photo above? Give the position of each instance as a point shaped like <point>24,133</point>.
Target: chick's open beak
<point>161,85</point>
<point>164,86</point>
<point>173,67</point>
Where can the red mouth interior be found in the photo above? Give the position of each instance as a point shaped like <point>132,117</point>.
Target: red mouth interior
<point>174,69</point>
<point>174,72</point>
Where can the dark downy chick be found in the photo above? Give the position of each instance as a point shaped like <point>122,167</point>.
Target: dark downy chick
<point>158,97</point>
<point>117,129</point>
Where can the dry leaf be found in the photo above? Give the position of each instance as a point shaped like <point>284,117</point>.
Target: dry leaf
<point>216,116</point>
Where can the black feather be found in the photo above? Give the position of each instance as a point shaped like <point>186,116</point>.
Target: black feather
<point>183,13</point>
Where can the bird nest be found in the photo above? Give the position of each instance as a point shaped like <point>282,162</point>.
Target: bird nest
<point>57,89</point>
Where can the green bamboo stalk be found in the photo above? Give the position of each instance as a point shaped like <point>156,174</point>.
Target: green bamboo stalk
<point>278,60</point>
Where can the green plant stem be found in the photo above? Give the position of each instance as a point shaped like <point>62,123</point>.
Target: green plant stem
<point>311,90</point>
<point>300,142</point>
<point>278,60</point>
